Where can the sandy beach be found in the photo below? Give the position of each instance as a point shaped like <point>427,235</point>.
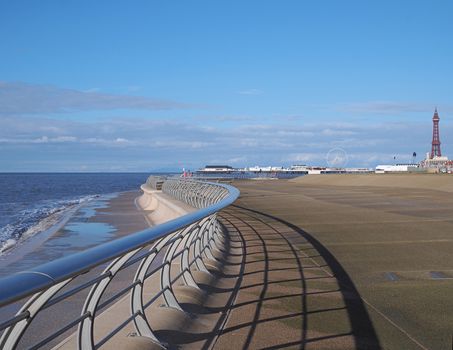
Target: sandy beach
<point>100,220</point>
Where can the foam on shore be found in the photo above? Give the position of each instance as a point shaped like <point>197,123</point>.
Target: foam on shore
<point>33,221</point>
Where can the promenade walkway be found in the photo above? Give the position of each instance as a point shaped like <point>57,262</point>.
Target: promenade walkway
<point>289,296</point>
<point>277,288</point>
<point>384,242</point>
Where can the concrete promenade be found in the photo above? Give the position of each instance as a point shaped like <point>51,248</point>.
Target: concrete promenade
<point>289,296</point>
<point>329,262</point>
<point>382,249</point>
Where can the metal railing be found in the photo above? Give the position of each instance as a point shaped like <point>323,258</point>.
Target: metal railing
<point>155,182</point>
<point>195,193</point>
<point>190,241</point>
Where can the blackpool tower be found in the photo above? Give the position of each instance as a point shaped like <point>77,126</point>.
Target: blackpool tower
<point>435,145</point>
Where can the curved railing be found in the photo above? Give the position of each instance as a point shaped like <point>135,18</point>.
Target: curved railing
<point>174,249</point>
<point>155,182</point>
<point>195,193</point>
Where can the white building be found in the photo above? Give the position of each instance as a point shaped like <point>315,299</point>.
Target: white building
<point>394,168</point>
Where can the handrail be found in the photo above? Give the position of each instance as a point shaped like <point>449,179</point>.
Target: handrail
<point>155,182</point>
<point>196,232</point>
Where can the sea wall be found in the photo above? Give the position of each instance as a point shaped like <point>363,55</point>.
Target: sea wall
<point>159,207</point>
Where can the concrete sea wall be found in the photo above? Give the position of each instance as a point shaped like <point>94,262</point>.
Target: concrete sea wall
<point>159,207</point>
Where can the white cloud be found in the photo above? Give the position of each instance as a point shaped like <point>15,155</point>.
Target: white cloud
<point>23,98</point>
<point>65,139</point>
<point>42,139</point>
<point>163,142</point>
<point>391,107</point>
<point>303,157</point>
<point>333,132</point>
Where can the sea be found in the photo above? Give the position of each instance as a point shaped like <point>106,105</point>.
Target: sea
<point>31,203</point>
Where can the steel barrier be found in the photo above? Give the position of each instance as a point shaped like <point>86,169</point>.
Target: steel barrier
<point>155,182</point>
<point>189,240</point>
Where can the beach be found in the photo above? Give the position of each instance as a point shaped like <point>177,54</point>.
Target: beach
<point>106,218</point>
<point>94,222</point>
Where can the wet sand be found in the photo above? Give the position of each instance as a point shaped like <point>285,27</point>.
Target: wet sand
<point>101,220</point>
<point>122,214</point>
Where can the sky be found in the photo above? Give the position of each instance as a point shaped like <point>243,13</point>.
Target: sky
<point>165,85</point>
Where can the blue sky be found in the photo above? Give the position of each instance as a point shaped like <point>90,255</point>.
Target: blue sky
<point>159,85</point>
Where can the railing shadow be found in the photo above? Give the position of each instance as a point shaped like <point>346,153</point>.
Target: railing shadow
<point>361,334</point>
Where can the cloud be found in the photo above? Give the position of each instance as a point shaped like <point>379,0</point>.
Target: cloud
<point>224,118</point>
<point>390,107</point>
<point>250,92</point>
<point>303,157</point>
<point>334,132</point>
<point>22,98</point>
<point>354,158</point>
<point>42,139</point>
<point>92,90</point>
<point>141,143</point>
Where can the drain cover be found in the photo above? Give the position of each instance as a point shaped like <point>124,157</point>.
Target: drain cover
<point>390,276</point>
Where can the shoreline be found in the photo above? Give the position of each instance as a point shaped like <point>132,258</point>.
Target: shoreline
<point>64,236</point>
<point>27,244</point>
<point>50,222</point>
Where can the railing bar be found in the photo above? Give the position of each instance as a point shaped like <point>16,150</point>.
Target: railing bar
<point>157,268</point>
<point>153,271</point>
<point>118,294</point>
<point>138,258</point>
<point>75,290</point>
<point>198,255</point>
<point>178,237</point>
<point>61,331</point>
<point>177,254</point>
<point>14,320</point>
<point>116,330</point>
<point>154,298</point>
<point>154,250</point>
<point>178,276</point>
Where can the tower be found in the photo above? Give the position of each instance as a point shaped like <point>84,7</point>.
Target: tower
<point>435,145</point>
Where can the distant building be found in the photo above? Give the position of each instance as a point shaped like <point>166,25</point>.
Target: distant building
<point>434,159</point>
<point>395,168</point>
<point>217,168</point>
<point>435,144</point>
<point>433,163</point>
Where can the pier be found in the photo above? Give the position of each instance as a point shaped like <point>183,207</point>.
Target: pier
<point>319,262</point>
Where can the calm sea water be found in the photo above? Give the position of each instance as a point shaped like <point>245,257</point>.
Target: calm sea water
<point>27,200</point>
